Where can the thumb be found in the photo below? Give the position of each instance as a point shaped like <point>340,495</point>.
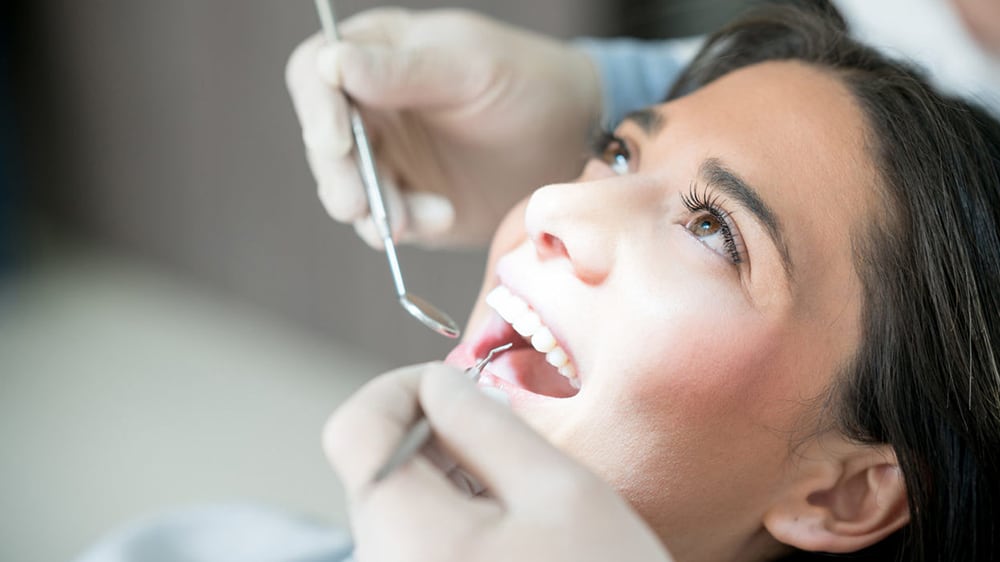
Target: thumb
<point>514,462</point>
<point>388,77</point>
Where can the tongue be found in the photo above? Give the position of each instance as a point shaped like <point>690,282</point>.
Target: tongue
<point>528,369</point>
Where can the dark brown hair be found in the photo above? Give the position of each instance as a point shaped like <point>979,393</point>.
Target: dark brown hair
<point>926,378</point>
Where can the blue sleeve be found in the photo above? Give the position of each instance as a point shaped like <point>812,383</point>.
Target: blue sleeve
<point>635,73</point>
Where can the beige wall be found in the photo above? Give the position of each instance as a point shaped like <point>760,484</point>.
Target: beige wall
<point>185,151</point>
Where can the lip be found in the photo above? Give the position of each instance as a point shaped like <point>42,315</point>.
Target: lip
<point>518,396</point>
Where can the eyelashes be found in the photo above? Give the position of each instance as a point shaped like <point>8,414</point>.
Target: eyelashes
<point>706,203</point>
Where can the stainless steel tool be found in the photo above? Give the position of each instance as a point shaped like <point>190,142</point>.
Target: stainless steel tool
<point>420,433</point>
<point>419,308</point>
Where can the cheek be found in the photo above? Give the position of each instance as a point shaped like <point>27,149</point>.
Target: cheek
<point>707,353</point>
<point>706,372</point>
<point>508,236</point>
<point>697,365</point>
<point>510,233</point>
<point>698,412</point>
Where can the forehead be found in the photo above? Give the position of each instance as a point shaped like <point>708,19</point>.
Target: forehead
<point>797,134</point>
<point>795,129</point>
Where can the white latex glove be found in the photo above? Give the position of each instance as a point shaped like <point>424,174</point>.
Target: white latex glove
<point>541,505</point>
<point>467,117</point>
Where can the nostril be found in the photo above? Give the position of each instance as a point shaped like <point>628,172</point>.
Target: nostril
<point>550,246</point>
<point>570,226</point>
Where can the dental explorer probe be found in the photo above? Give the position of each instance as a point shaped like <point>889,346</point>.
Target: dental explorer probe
<point>419,308</point>
<point>420,433</point>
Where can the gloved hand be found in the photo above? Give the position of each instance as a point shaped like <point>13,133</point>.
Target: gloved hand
<point>466,115</point>
<point>540,506</point>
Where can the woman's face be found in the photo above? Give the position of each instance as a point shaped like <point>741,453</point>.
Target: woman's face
<point>699,278</point>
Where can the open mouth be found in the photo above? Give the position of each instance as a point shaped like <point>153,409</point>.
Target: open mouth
<point>536,362</point>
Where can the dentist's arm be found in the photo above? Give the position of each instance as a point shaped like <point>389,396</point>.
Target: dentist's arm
<point>542,506</point>
<point>468,115</point>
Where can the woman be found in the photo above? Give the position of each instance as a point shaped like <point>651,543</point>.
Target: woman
<point>769,311</point>
<point>777,295</point>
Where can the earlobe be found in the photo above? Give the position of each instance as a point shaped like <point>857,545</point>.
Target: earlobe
<point>853,502</point>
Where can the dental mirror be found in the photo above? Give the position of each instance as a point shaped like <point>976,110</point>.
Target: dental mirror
<point>432,317</point>
<point>419,308</point>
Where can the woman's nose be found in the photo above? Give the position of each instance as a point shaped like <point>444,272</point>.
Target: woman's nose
<point>578,223</point>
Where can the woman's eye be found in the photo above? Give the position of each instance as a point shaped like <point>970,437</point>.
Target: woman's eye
<point>713,231</point>
<point>705,226</point>
<point>613,151</point>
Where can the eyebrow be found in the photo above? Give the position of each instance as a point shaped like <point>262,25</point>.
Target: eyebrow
<point>714,173</point>
<point>648,119</point>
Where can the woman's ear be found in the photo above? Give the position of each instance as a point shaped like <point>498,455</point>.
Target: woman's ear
<point>849,497</point>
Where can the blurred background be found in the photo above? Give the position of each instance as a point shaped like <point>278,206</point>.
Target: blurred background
<point>178,316</point>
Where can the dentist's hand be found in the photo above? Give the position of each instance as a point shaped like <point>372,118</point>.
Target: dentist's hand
<point>467,117</point>
<point>541,506</point>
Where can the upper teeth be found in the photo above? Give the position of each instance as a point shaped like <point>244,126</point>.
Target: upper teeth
<point>526,322</point>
